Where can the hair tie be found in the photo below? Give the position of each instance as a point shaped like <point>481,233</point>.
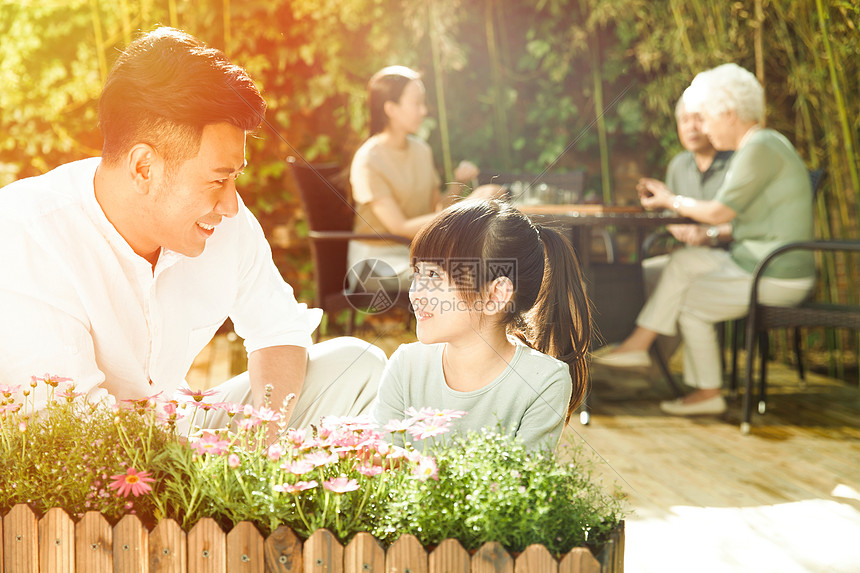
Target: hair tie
<point>537,230</point>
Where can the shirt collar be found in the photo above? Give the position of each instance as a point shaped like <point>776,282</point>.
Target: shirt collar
<point>97,215</point>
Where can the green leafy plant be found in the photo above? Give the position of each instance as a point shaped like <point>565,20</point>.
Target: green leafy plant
<point>490,488</point>
<point>346,475</point>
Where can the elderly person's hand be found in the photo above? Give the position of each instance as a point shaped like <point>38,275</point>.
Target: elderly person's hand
<point>654,194</point>
<point>466,171</point>
<point>695,235</point>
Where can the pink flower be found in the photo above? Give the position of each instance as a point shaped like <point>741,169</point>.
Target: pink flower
<point>369,470</point>
<point>321,458</point>
<point>341,484</point>
<point>267,415</point>
<point>395,426</point>
<point>295,488</point>
<point>230,408</point>
<point>426,469</point>
<point>198,395</point>
<point>233,461</point>
<point>296,437</point>
<point>131,481</point>
<point>8,390</point>
<point>51,380</point>
<point>10,408</point>
<point>428,429</point>
<point>246,424</point>
<point>210,444</point>
<point>275,452</point>
<point>297,467</point>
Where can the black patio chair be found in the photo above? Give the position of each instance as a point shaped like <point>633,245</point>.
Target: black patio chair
<point>762,318</point>
<point>330,214</point>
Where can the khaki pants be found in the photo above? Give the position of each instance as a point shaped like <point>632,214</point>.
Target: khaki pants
<point>342,379</point>
<point>699,287</point>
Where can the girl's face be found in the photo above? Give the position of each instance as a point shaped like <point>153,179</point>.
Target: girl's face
<point>409,112</point>
<point>441,314</point>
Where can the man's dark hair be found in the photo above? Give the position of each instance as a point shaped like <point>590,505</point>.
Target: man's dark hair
<point>165,88</point>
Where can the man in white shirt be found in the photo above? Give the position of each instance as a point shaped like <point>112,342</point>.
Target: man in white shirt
<point>117,271</point>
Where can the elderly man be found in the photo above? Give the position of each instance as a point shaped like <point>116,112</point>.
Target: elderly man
<point>697,172</point>
<point>118,270</point>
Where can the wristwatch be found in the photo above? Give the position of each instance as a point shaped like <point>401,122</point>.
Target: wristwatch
<point>713,234</point>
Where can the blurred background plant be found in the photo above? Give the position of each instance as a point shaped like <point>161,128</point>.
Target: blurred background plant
<point>518,85</point>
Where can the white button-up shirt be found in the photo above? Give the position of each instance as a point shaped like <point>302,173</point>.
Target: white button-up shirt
<point>77,302</point>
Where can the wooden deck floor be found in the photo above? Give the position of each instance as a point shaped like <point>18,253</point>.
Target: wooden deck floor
<point>703,497</point>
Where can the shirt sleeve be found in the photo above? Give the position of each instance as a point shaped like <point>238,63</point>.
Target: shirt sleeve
<point>544,420</point>
<point>266,312</point>
<point>390,400</point>
<point>751,170</point>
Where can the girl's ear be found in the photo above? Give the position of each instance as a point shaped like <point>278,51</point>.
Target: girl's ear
<point>500,294</point>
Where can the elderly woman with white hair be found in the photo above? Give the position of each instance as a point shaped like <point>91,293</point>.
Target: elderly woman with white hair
<point>764,202</point>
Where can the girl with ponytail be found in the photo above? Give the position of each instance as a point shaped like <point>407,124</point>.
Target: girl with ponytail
<point>503,325</point>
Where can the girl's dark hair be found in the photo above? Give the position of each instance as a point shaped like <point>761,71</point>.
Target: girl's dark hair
<point>386,85</point>
<point>476,242</point>
<point>165,88</point>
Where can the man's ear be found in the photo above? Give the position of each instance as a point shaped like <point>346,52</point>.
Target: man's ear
<point>500,293</point>
<point>143,165</point>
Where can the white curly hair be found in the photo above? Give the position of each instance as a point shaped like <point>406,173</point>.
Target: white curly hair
<point>725,88</point>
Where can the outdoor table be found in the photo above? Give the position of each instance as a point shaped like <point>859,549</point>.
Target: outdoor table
<point>582,219</point>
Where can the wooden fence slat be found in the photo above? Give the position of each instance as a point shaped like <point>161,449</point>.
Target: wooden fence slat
<point>406,554</point>
<point>323,553</point>
<point>207,547</point>
<point>283,551</point>
<point>93,544</point>
<point>364,554</point>
<point>449,557</point>
<point>245,549</point>
<point>579,560</point>
<point>168,550</point>
<point>56,542</point>
<point>20,540</point>
<point>492,558</point>
<point>130,546</point>
<point>536,559</point>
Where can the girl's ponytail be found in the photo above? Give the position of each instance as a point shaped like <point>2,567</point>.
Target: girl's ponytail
<point>559,324</point>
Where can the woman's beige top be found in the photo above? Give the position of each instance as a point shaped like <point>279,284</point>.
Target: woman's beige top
<point>407,175</point>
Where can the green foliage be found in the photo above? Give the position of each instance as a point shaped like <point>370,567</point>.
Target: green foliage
<point>490,489</point>
<point>346,476</point>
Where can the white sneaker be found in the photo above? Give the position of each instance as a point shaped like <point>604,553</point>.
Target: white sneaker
<point>633,359</point>
<point>715,405</point>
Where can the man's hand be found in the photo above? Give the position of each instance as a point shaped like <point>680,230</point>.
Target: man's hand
<point>694,235</point>
<point>654,194</point>
<point>466,171</point>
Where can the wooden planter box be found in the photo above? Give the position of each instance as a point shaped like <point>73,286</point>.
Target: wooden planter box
<point>56,544</point>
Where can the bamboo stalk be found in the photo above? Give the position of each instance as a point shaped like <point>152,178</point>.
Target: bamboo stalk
<point>100,47</point>
<point>759,53</point>
<point>433,24</point>
<point>126,21</point>
<point>597,77</point>
<point>501,135</point>
<point>174,16</point>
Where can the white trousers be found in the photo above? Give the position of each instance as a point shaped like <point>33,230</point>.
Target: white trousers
<point>342,380</point>
<point>699,287</point>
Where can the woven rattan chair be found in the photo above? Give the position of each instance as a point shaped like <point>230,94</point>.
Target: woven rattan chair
<point>762,318</point>
<point>330,215</point>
